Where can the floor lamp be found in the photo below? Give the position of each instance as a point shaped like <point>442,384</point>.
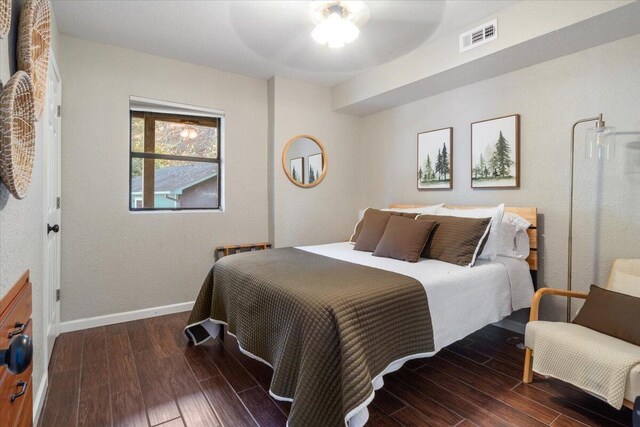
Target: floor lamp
<point>599,145</point>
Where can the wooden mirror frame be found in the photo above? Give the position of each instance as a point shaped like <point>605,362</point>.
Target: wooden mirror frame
<point>324,160</point>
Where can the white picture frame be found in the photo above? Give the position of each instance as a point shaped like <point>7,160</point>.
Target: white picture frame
<point>495,153</point>
<point>435,159</point>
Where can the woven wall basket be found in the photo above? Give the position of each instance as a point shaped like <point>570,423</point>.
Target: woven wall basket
<point>18,140</point>
<point>34,38</point>
<point>5,17</point>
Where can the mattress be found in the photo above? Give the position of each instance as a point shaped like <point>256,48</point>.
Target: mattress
<point>461,299</point>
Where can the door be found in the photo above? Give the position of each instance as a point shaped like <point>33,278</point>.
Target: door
<point>50,129</point>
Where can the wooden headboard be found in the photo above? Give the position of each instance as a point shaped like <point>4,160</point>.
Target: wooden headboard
<point>528,213</point>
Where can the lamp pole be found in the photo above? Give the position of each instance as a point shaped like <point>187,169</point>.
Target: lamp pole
<point>570,238</point>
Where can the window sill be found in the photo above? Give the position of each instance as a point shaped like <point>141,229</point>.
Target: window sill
<point>176,211</point>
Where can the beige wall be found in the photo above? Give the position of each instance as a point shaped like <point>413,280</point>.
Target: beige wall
<point>529,32</point>
<point>114,260</point>
<point>549,97</point>
<point>325,213</point>
<point>22,221</point>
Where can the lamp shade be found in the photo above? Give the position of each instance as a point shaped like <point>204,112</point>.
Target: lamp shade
<point>600,142</point>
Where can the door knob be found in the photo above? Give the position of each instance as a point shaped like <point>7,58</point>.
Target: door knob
<point>55,228</point>
<point>17,356</point>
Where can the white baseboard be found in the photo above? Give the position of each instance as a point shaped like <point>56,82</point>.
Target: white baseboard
<point>127,316</point>
<point>38,401</point>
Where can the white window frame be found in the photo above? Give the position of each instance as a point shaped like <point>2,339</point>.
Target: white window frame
<point>149,105</point>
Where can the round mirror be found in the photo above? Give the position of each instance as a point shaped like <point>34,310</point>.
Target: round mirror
<point>304,161</point>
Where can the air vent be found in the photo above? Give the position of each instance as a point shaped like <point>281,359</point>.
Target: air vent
<point>479,35</point>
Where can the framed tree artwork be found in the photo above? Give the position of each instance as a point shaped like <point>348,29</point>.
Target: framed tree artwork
<point>495,153</point>
<point>435,159</point>
<point>314,167</point>
<point>296,166</point>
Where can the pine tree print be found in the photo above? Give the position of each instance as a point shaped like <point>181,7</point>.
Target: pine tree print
<point>445,161</point>
<point>429,170</point>
<point>501,160</point>
<point>439,165</point>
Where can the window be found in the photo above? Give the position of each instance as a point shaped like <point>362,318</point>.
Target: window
<point>174,161</point>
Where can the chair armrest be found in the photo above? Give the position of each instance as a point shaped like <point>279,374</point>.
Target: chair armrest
<point>535,301</point>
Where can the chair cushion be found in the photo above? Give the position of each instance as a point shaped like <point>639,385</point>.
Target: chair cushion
<point>625,277</point>
<point>625,283</point>
<point>599,342</point>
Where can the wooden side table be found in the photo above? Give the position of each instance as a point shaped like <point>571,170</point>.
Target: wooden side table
<point>222,251</point>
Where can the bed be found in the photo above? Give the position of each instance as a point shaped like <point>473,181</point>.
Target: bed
<point>332,321</point>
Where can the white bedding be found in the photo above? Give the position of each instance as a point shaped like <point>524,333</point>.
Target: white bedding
<point>461,299</point>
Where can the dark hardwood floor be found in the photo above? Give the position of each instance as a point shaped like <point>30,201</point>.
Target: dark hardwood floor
<point>143,373</point>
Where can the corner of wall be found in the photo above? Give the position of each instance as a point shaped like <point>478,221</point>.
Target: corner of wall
<point>271,83</point>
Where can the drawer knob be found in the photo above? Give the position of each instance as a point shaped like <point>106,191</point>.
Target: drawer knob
<point>23,388</point>
<point>17,356</point>
<point>18,330</point>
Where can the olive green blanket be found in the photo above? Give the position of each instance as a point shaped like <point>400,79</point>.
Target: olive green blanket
<point>327,327</point>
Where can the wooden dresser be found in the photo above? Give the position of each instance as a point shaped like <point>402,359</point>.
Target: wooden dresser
<point>16,391</point>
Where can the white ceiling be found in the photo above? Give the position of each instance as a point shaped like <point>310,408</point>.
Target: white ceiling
<point>266,38</point>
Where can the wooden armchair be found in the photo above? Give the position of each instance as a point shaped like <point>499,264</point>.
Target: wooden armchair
<point>535,310</point>
<point>625,278</point>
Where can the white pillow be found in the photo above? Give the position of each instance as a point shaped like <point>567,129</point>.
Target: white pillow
<point>625,283</point>
<point>514,240</point>
<point>490,250</point>
<point>422,210</point>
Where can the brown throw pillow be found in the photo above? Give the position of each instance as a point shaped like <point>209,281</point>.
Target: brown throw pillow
<point>456,240</point>
<point>371,211</point>
<point>372,230</point>
<point>404,238</point>
<point>611,313</point>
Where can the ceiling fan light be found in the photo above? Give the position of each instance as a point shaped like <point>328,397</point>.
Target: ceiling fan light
<point>184,133</point>
<point>192,133</point>
<point>354,6</point>
<point>335,43</point>
<point>335,30</point>
<point>349,31</point>
<point>321,33</point>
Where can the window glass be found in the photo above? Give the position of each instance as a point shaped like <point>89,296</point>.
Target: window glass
<point>174,162</point>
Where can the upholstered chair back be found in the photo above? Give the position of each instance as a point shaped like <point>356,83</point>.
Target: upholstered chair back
<point>625,277</point>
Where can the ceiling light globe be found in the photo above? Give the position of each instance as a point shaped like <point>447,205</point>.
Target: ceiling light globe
<point>335,44</point>
<point>335,31</point>
<point>321,33</point>
<point>348,31</point>
<point>184,133</point>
